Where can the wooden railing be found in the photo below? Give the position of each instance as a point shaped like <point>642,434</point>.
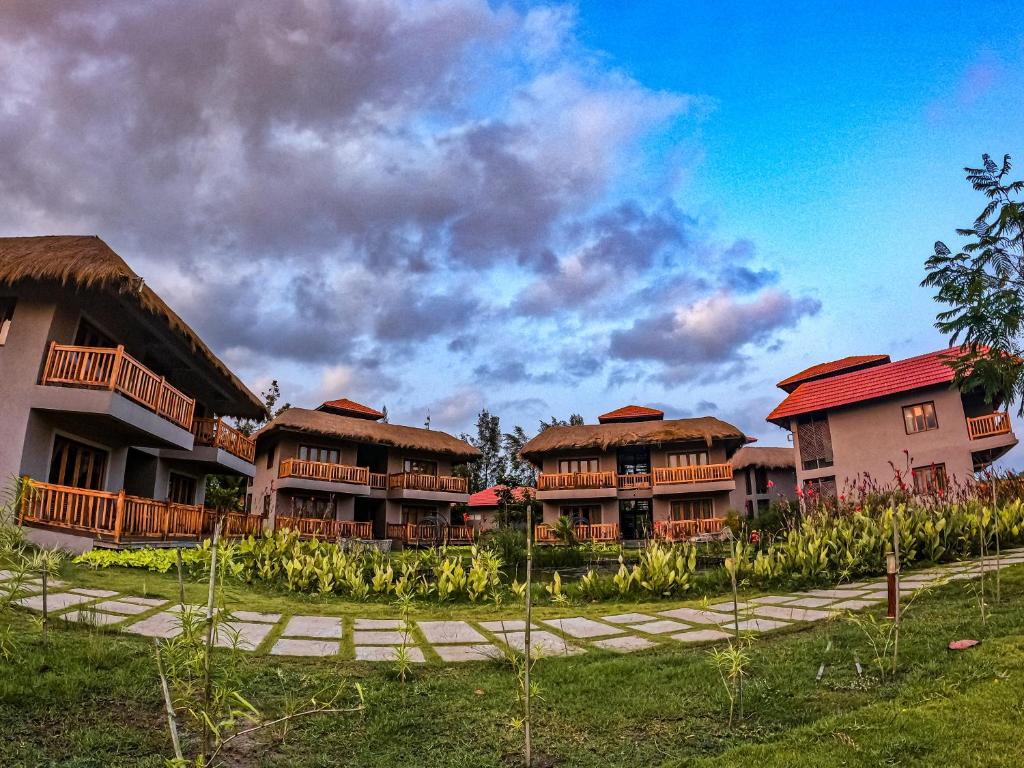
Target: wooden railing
<point>219,434</point>
<point>116,370</point>
<point>426,533</point>
<point>634,481</point>
<point>235,525</point>
<point>379,481</point>
<point>325,530</point>
<point>544,534</point>
<point>416,482</point>
<point>697,473</point>
<point>681,530</point>
<point>988,425</point>
<point>551,481</point>
<point>323,470</point>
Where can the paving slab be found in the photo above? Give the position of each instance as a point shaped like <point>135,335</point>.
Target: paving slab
<point>50,583</point>
<point>701,636</point>
<point>94,592</point>
<point>662,627</point>
<point>289,646</point>
<point>152,602</point>
<point>244,635</point>
<point>628,618</point>
<point>727,607</point>
<point>881,595</point>
<point>313,626</point>
<point>117,606</point>
<point>542,643</point>
<point>625,644</point>
<point>378,623</point>
<point>159,625</point>
<point>696,616</point>
<point>581,627</point>
<point>5,575</point>
<point>508,625</point>
<point>387,653</point>
<point>262,618</point>
<point>791,614</point>
<point>459,653</point>
<point>450,632</point>
<point>55,602</point>
<point>773,599</point>
<point>838,594</point>
<point>854,605</point>
<point>761,625</point>
<point>371,637</point>
<point>811,602</point>
<point>94,618</point>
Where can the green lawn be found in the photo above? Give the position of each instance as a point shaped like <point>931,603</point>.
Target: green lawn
<point>91,698</point>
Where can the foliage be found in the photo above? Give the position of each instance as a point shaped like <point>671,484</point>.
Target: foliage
<point>564,531</point>
<point>271,396</point>
<point>732,663</point>
<point>663,570</point>
<point>156,560</point>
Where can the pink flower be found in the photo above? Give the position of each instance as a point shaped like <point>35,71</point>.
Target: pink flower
<point>771,484</point>
<point>799,493</point>
<point>755,537</point>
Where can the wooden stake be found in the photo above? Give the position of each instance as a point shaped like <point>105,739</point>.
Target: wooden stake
<point>172,722</point>
<point>181,578</point>
<point>526,635</point>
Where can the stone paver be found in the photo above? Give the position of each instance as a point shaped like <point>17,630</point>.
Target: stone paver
<point>96,618</point>
<point>791,614</point>
<point>440,632</point>
<point>662,627</point>
<point>773,599</point>
<point>459,653</point>
<point>94,592</point>
<point>696,616</point>
<point>579,626</point>
<point>626,644</point>
<point>117,606</point>
<point>57,602</point>
<point>262,618</point>
<point>701,636</point>
<point>761,625</point>
<point>882,595</point>
<point>727,607</point>
<point>837,594</point>
<point>289,646</point>
<point>159,625</point>
<point>370,637</point>
<point>508,625</point>
<point>246,635</point>
<point>378,623</point>
<point>152,602</point>
<point>313,626</point>
<point>387,653</point>
<point>541,644</point>
<point>628,618</point>
<point>853,605</point>
<point>811,602</point>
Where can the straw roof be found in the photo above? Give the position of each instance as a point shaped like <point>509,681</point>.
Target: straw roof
<point>86,262</point>
<point>769,458</point>
<point>606,436</point>
<point>307,421</point>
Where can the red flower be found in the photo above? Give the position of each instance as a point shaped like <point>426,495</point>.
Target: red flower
<point>755,537</point>
<point>771,484</point>
<point>799,493</point>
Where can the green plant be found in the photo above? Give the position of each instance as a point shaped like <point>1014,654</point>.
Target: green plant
<point>732,663</point>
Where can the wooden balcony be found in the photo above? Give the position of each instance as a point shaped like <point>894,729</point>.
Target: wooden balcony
<point>429,534</point>
<point>325,471</point>
<point>562,481</point>
<point>989,425</point>
<point>697,473</point>
<point>684,530</point>
<point>634,481</point>
<point>324,530</point>
<point>379,481</point>
<point>216,433</point>
<point>544,534</point>
<point>411,481</point>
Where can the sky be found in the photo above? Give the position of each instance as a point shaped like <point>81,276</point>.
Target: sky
<point>538,209</point>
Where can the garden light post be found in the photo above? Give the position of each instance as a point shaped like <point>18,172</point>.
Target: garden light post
<point>892,578</point>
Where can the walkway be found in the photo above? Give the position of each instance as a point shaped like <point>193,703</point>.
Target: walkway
<point>456,641</point>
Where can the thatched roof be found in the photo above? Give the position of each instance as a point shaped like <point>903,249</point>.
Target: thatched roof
<point>306,421</point>
<point>88,263</point>
<point>769,458</point>
<point>603,437</point>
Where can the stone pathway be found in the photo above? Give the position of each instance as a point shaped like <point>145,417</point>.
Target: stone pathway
<point>455,641</point>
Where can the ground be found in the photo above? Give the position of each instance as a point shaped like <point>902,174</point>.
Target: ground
<point>91,697</point>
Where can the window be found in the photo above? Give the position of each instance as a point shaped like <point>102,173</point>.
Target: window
<point>316,453</point>
<point>266,505</point>
<point>181,489</point>
<point>919,418</point>
<point>582,515</point>
<point>763,505</point>
<point>750,488</point>
<point>693,509</point>
<point>930,479</point>
<point>417,514</point>
<point>635,460</point>
<point>688,459</point>
<point>761,480</point>
<point>6,316</point>
<point>90,336</point>
<point>77,464</point>
<point>821,487</point>
<point>270,456</point>
<point>420,467</point>
<point>571,466</point>
<point>815,440</point>
<point>319,507</point>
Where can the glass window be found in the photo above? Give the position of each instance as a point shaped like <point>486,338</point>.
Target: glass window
<point>319,507</point>
<point>688,459</point>
<point>930,479</point>
<point>181,489</point>
<point>761,480</point>
<point>919,418</point>
<point>693,509</point>
<point>417,514</point>
<point>582,515</point>
<point>76,464</point>
<point>420,467</point>
<point>317,453</point>
<point>572,466</point>
<point>635,460</point>
<point>6,317</point>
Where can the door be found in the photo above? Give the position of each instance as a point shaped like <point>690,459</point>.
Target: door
<point>634,460</point>
<point>635,519</point>
<point>77,464</point>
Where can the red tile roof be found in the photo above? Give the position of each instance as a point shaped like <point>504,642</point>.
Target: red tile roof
<point>488,497</point>
<point>820,371</point>
<point>632,413</point>
<point>347,407</point>
<point>866,384</point>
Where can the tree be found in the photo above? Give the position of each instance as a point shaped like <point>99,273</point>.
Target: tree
<point>485,471</point>
<point>575,420</point>
<point>271,396</point>
<point>385,419</point>
<point>520,471</point>
<point>983,284</point>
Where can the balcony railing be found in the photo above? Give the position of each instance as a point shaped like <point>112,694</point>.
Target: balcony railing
<point>573,480</point>
<point>116,370</point>
<point>697,473</point>
<point>544,534</point>
<point>633,481</point>
<point>682,530</point>
<point>379,481</point>
<point>219,434</point>
<point>325,530</point>
<point>427,533</point>
<point>415,482</point>
<point>988,425</point>
<point>323,470</point>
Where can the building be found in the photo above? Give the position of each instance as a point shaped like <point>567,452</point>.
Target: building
<point>863,416</point>
<point>636,473</point>
<point>762,475</point>
<point>483,507</point>
<point>112,405</point>
<point>339,472</point>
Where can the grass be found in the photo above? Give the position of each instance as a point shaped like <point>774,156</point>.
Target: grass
<point>91,698</point>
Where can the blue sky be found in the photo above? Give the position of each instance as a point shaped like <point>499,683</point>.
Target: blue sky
<point>534,208</point>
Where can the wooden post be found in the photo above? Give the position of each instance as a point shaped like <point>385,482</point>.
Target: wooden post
<point>167,520</point>
<point>526,635</point>
<point>49,362</point>
<point>26,489</point>
<point>115,371</point>
<point>119,516</point>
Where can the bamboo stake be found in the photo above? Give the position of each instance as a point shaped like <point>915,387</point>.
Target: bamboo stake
<point>46,614</point>
<point>172,722</point>
<point>995,516</point>
<point>526,636</point>
<point>181,578</point>
<point>207,682</point>
<point>899,610</point>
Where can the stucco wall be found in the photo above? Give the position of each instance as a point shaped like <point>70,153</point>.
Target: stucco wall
<point>784,488</point>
